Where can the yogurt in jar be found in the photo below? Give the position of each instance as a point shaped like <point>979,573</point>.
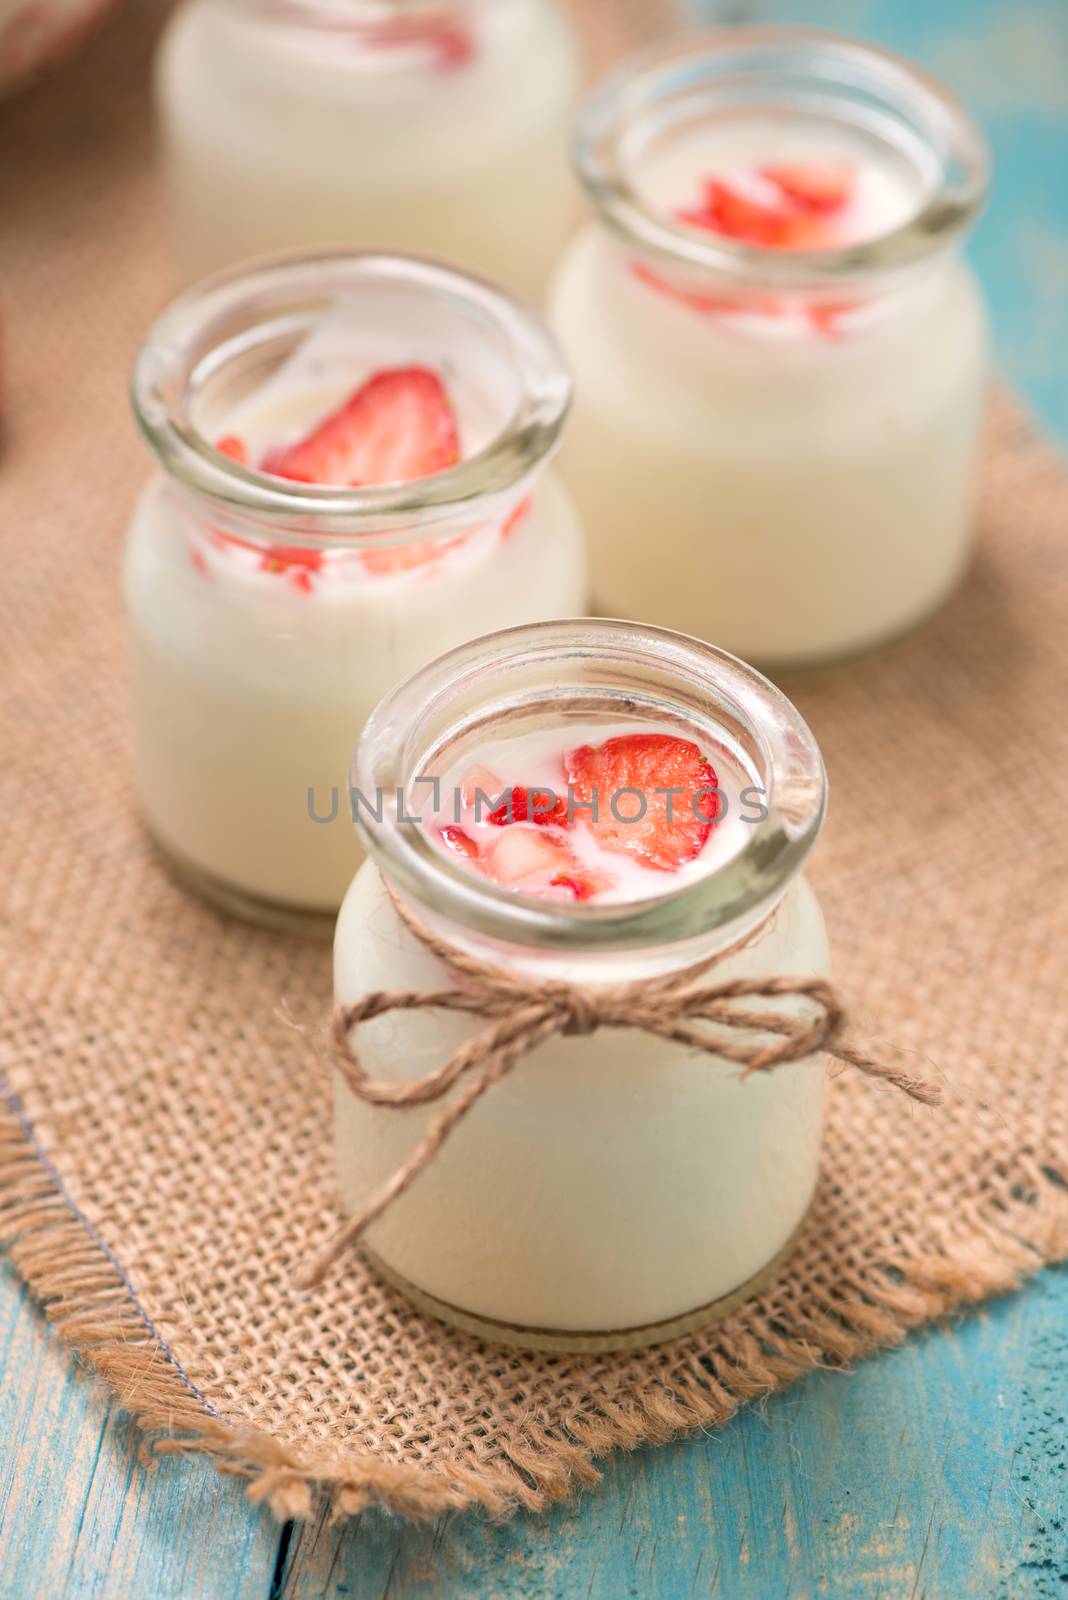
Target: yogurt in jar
<point>436,126</point>
<point>353,453</point>
<point>780,359</point>
<point>614,1188</point>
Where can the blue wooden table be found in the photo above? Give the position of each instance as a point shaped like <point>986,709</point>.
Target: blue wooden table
<point>938,1470</point>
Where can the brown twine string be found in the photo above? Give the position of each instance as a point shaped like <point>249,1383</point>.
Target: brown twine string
<point>523,1013</point>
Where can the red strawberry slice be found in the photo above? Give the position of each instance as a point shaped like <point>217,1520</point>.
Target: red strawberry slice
<point>459,841</point>
<point>396,427</point>
<point>284,557</point>
<point>663,838</point>
<point>396,558</point>
<point>712,305</point>
<point>820,186</point>
<point>295,561</point>
<point>734,215</point>
<point>579,888</point>
<point>531,805</point>
<point>230,445</point>
<point>826,315</point>
<point>582,885</point>
<point>453,44</point>
<point>517,515</point>
<point>727,211</point>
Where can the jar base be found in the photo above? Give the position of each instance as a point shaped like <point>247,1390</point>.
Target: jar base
<point>307,923</point>
<point>564,1342</point>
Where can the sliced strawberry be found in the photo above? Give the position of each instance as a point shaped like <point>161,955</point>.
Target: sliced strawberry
<point>825,315</point>
<point>230,445</point>
<point>453,44</point>
<point>476,779</point>
<point>395,558</point>
<point>579,888</point>
<point>517,515</point>
<point>524,854</point>
<point>727,211</point>
<point>712,305</point>
<point>396,427</point>
<point>582,884</point>
<point>284,558</point>
<point>531,805</point>
<point>646,762</point>
<point>734,215</point>
<point>820,186</point>
<point>459,841</point>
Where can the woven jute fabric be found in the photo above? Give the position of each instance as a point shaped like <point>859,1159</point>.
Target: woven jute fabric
<point>165,1155</point>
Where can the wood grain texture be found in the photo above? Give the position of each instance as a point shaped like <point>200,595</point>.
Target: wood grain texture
<point>936,1472</point>
<point>82,1517</point>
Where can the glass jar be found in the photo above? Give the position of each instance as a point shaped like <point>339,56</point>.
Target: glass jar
<point>267,616</point>
<point>778,386</point>
<point>614,1189</point>
<point>436,126</point>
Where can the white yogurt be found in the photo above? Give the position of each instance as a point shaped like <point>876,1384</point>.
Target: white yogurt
<point>255,660</point>
<point>763,455</point>
<point>611,1182</point>
<point>290,128</point>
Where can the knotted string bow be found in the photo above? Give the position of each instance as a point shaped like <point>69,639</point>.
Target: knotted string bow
<point>522,1013</point>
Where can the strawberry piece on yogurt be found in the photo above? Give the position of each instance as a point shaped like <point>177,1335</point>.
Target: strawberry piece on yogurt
<point>823,187</point>
<point>396,427</point>
<point>668,774</point>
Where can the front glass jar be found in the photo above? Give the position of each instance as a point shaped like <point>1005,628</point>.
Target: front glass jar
<point>779,356</point>
<point>268,614</point>
<point>617,1188</point>
<point>435,126</point>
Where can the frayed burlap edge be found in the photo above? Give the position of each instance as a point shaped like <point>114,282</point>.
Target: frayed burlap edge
<point>80,1284</point>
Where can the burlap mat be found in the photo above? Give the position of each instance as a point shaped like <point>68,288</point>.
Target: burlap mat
<point>165,1165</point>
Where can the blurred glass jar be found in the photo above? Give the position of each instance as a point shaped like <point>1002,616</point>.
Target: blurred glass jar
<point>778,381</point>
<point>435,126</point>
<point>268,615</point>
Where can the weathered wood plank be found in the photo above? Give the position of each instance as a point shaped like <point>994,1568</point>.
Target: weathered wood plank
<point>81,1516</point>
<point>939,1470</point>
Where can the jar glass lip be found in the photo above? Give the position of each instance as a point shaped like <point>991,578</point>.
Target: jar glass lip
<point>225,317</point>
<point>648,668</point>
<point>837,76</point>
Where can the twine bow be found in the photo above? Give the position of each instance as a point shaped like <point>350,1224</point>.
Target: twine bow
<point>521,1013</point>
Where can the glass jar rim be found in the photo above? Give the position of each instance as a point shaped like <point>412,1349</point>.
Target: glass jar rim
<point>218,316</point>
<point>695,65</point>
<point>745,884</point>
